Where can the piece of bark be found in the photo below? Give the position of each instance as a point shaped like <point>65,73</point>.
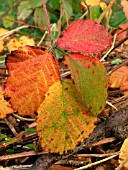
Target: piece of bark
<point>114,126</point>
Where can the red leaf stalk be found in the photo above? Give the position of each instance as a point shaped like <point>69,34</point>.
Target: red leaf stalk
<point>47,22</point>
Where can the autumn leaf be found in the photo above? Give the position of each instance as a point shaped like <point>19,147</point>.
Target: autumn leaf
<point>124,153</point>
<point>118,77</point>
<point>15,43</point>
<point>84,36</point>
<point>5,107</point>
<point>2,31</point>
<point>62,120</point>
<point>32,71</point>
<point>1,46</point>
<point>93,2</point>
<point>124,4</point>
<point>90,78</point>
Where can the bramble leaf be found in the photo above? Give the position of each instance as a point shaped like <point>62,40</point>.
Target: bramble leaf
<point>32,71</point>
<point>84,36</point>
<point>5,107</point>
<point>62,120</point>
<point>90,78</point>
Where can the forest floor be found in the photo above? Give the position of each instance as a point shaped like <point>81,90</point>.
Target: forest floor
<point>19,147</point>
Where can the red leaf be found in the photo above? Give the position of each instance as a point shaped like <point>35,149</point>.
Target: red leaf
<point>84,36</point>
<point>32,71</point>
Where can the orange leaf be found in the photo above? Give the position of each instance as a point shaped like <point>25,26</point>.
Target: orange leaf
<point>62,121</point>
<point>4,106</point>
<point>32,71</point>
<point>118,77</point>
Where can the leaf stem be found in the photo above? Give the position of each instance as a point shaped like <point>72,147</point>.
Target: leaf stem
<point>47,22</point>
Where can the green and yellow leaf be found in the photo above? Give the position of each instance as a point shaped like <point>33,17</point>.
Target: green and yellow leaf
<point>90,78</point>
<point>62,120</point>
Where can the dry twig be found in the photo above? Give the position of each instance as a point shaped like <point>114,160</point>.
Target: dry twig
<point>96,163</point>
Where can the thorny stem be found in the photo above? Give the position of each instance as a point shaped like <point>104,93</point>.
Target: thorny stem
<point>47,22</point>
<point>108,7</point>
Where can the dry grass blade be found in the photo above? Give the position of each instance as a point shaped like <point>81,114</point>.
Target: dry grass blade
<point>96,163</point>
